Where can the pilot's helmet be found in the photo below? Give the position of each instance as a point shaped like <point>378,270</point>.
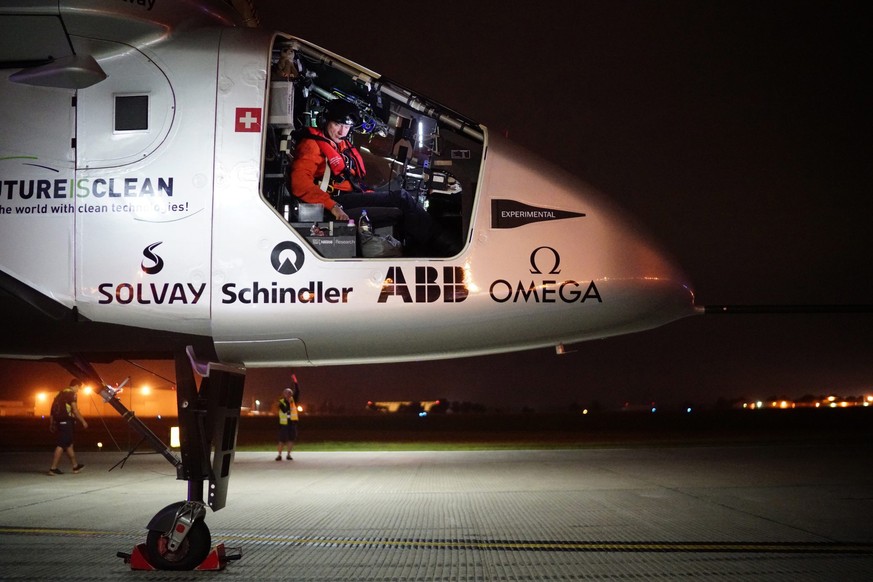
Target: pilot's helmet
<point>341,111</point>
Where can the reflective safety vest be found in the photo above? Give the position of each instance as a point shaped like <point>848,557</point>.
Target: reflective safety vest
<point>287,411</point>
<point>343,159</point>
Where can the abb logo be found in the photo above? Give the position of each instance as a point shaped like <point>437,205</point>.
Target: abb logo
<point>430,285</point>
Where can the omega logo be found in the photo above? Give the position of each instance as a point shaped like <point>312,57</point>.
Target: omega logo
<point>545,290</point>
<point>535,270</point>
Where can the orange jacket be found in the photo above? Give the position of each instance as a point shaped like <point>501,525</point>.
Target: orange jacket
<point>307,172</point>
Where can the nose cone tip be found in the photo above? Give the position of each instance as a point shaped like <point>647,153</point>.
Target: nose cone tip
<point>650,282</point>
<point>675,289</point>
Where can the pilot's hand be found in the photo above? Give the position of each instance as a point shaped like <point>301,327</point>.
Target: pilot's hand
<point>339,213</point>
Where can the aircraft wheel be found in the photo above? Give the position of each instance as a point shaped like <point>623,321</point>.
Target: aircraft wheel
<point>188,556</point>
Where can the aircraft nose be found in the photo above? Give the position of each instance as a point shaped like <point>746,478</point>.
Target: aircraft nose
<point>639,285</point>
<point>573,233</point>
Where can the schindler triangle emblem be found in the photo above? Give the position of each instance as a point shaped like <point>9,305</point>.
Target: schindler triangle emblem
<point>511,214</point>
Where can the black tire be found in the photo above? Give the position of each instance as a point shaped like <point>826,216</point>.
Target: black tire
<point>190,554</point>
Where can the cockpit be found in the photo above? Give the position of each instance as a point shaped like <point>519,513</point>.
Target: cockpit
<point>407,143</point>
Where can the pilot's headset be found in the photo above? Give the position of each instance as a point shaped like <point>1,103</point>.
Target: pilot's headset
<point>339,111</point>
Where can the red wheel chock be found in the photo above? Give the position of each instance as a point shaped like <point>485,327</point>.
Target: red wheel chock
<point>216,559</point>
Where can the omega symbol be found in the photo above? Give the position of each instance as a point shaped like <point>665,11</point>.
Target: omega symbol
<point>535,269</point>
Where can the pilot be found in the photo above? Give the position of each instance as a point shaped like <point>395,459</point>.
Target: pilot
<point>327,169</point>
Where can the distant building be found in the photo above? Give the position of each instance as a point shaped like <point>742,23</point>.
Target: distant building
<point>401,406</point>
<point>15,408</point>
<point>628,406</point>
<point>830,401</point>
<point>144,402</point>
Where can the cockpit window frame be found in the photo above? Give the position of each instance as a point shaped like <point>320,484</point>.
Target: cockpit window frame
<point>297,90</point>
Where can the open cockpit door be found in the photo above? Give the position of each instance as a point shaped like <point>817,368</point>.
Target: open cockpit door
<point>281,268</point>
<point>407,143</point>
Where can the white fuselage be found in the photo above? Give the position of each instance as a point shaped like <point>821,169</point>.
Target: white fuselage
<point>162,222</point>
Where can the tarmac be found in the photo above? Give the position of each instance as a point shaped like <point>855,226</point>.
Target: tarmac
<point>748,512</point>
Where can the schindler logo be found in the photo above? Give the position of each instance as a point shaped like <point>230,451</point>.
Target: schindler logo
<point>511,214</point>
<point>281,260</point>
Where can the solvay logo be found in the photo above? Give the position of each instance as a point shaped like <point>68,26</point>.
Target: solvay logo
<point>152,292</point>
<point>156,263</point>
<point>281,261</point>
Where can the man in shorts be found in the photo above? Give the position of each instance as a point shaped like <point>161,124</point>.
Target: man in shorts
<point>64,414</point>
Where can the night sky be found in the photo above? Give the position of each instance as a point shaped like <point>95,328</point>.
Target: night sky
<point>737,133</point>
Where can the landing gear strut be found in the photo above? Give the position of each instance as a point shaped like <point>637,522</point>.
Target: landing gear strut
<point>178,538</point>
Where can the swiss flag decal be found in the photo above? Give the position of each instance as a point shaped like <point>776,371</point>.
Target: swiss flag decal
<point>248,119</point>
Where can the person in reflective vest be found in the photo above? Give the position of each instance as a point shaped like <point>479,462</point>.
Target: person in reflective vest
<point>328,169</point>
<point>64,415</point>
<point>288,417</point>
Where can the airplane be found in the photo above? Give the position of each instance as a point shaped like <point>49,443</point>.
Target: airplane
<point>145,212</point>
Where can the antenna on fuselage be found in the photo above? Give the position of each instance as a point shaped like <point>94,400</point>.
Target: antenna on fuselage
<point>561,349</point>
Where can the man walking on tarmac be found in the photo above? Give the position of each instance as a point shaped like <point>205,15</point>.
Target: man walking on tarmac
<point>64,414</point>
<point>288,419</point>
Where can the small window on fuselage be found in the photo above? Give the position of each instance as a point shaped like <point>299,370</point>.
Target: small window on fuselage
<point>131,112</point>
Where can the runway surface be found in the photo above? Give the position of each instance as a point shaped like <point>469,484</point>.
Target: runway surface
<point>789,512</point>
